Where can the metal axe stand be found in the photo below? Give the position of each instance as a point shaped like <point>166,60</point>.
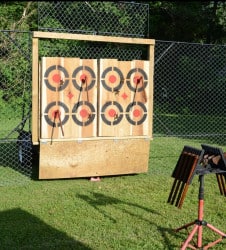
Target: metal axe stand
<point>199,223</point>
<point>208,152</point>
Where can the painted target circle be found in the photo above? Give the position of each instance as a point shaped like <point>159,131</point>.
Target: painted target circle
<point>83,77</point>
<point>136,113</point>
<point>55,78</point>
<point>112,79</point>
<point>83,113</point>
<point>137,79</point>
<point>54,112</point>
<point>111,113</point>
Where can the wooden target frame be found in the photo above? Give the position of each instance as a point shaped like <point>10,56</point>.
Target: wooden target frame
<point>76,155</point>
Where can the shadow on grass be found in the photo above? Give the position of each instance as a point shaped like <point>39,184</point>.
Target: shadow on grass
<point>10,161</point>
<point>166,236</point>
<point>97,200</point>
<point>21,230</point>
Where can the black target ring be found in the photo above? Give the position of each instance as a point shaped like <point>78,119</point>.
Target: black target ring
<point>90,117</point>
<point>78,85</point>
<point>145,79</point>
<point>128,113</point>
<point>119,117</point>
<point>103,81</point>
<point>63,84</point>
<point>49,120</point>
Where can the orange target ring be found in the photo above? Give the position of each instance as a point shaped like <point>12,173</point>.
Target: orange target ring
<point>111,113</point>
<point>56,78</point>
<point>137,80</point>
<point>53,114</point>
<point>81,75</point>
<point>136,113</point>
<point>112,79</point>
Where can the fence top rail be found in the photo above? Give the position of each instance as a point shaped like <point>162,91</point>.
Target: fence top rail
<point>97,38</point>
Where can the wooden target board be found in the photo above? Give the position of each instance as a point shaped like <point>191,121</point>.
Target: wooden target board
<point>68,98</point>
<point>123,98</point>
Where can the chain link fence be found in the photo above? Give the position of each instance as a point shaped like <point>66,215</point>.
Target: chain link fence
<point>189,79</point>
<point>95,17</point>
<point>15,105</point>
<point>190,90</point>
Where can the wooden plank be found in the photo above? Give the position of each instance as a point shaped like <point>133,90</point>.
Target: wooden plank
<point>96,38</point>
<point>93,158</point>
<point>87,112</point>
<point>138,114</point>
<point>96,138</point>
<point>111,101</point>
<point>52,97</point>
<point>151,55</point>
<point>35,92</point>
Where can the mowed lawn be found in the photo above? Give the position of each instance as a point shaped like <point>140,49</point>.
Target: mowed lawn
<point>120,212</point>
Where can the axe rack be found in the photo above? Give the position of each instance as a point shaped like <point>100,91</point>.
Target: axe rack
<point>217,161</point>
<point>183,173</point>
<point>192,162</point>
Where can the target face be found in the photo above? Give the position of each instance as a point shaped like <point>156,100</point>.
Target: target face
<point>137,80</point>
<point>136,113</point>
<point>112,79</point>
<point>56,114</point>
<point>83,113</point>
<point>111,113</point>
<point>56,78</point>
<point>83,77</point>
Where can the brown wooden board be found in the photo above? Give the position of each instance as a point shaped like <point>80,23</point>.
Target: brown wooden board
<point>88,158</point>
<point>68,98</point>
<point>124,95</point>
<point>35,92</point>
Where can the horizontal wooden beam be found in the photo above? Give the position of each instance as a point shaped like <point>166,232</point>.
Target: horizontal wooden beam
<point>96,38</point>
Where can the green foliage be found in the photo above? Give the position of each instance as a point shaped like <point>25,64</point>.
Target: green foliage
<point>18,15</point>
<point>14,80</point>
<point>178,21</point>
<point>195,21</point>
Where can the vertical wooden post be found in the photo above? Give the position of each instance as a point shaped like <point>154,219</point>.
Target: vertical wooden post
<point>151,81</point>
<point>35,92</point>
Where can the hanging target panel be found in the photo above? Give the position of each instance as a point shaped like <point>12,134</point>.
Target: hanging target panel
<point>68,98</point>
<point>123,97</point>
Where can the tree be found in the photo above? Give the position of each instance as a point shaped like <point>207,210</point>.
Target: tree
<point>192,21</point>
<point>18,15</point>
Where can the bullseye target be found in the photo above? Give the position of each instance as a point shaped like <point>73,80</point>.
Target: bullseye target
<point>112,79</point>
<point>136,113</point>
<point>83,77</point>
<point>56,114</point>
<point>56,78</point>
<point>137,79</point>
<point>83,113</point>
<point>111,113</point>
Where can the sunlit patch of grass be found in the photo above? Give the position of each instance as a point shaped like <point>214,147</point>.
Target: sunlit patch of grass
<point>120,212</point>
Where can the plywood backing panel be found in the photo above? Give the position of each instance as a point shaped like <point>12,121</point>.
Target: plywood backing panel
<point>68,98</point>
<point>93,158</point>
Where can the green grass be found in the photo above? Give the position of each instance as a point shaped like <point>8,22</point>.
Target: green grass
<point>127,212</point>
